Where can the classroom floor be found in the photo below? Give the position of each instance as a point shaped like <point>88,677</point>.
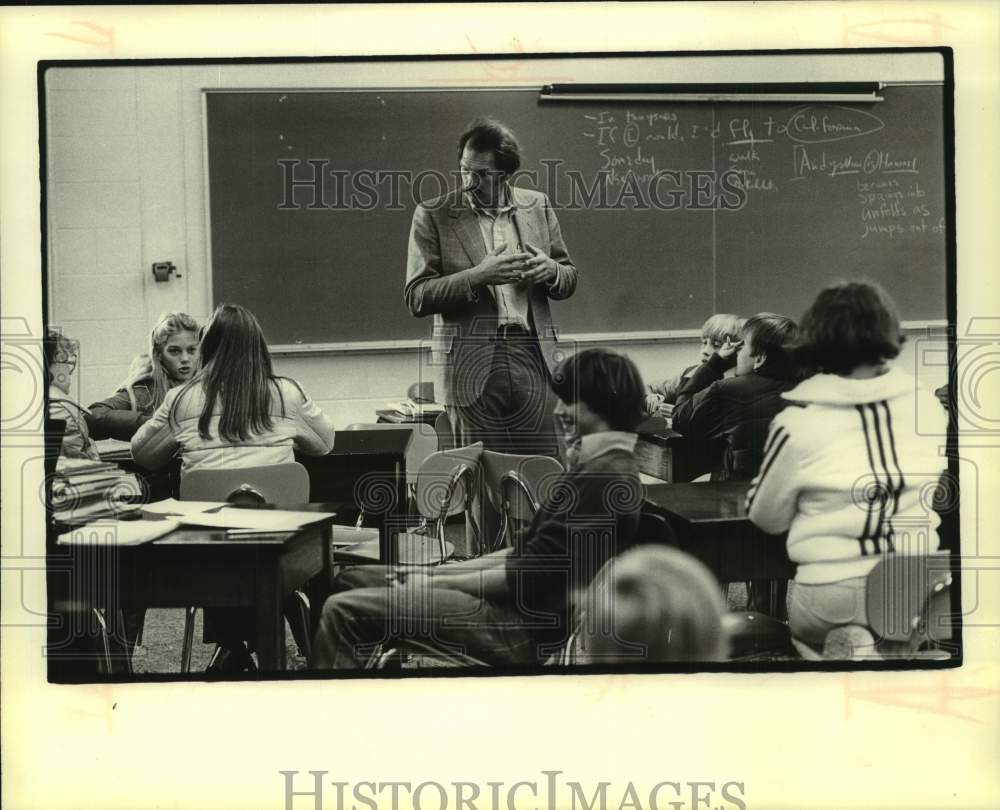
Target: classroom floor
<point>160,651</point>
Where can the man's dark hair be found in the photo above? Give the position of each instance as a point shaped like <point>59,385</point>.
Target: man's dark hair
<point>848,325</point>
<point>489,135</point>
<point>607,383</point>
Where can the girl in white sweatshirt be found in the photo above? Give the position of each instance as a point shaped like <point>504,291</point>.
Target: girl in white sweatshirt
<point>848,474</point>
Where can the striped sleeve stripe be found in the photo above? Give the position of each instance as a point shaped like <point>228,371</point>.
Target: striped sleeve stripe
<point>886,490</point>
<point>775,433</point>
<point>871,466</point>
<point>890,537</point>
<point>772,436</point>
<point>765,469</point>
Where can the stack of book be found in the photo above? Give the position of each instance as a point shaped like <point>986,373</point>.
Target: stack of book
<point>84,490</point>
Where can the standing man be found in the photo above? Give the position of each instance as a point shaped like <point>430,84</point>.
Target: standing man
<point>484,260</point>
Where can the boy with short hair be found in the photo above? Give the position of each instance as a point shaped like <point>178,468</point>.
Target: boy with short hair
<point>739,409</point>
<point>513,606</point>
<point>714,333</point>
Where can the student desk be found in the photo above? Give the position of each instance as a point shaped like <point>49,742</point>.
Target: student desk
<point>665,454</point>
<point>207,568</point>
<point>366,468</point>
<point>711,522</point>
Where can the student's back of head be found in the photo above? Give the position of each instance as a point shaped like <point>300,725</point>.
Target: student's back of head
<point>850,324</point>
<point>653,604</point>
<point>770,338</point>
<point>236,370</point>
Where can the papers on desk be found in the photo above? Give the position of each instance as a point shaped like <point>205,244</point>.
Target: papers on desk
<point>410,409</point>
<point>212,514</point>
<point>88,490</point>
<point>117,533</point>
<point>171,507</point>
<point>258,520</point>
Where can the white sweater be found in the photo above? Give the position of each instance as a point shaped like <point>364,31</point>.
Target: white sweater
<point>299,425</point>
<point>849,477</point>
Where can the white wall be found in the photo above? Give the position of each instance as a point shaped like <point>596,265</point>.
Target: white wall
<point>127,186</point>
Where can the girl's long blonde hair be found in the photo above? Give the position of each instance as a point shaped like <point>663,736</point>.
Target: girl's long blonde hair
<point>169,325</point>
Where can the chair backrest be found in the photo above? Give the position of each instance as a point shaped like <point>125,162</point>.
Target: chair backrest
<point>445,432</point>
<point>516,485</point>
<point>421,392</point>
<point>907,597</point>
<point>654,528</point>
<point>274,483</point>
<point>424,441</point>
<point>440,489</point>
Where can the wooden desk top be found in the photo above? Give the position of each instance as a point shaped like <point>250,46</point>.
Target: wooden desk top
<point>198,535</point>
<point>706,502</point>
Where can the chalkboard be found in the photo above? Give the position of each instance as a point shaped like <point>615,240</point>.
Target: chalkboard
<point>671,211</point>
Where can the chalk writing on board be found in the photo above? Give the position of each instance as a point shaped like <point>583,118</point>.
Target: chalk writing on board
<point>833,164</point>
<point>891,207</point>
<point>830,123</point>
<point>743,149</point>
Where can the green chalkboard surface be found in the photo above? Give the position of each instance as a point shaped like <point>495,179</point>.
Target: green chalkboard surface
<point>671,211</point>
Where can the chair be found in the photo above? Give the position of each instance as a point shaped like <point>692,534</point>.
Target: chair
<point>907,599</point>
<point>756,635</point>
<point>445,432</point>
<point>515,487</point>
<point>445,485</point>
<point>273,483</point>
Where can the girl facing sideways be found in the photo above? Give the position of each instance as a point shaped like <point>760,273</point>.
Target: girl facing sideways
<point>172,360</point>
<point>846,473</point>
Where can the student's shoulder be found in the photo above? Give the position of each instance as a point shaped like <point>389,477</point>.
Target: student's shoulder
<point>184,400</point>
<point>291,390</point>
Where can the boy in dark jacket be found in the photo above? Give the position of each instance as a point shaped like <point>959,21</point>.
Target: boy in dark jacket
<point>739,409</point>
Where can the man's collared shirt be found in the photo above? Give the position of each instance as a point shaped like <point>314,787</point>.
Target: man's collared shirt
<point>512,299</point>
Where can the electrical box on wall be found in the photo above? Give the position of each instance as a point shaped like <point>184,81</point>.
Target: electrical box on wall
<point>163,270</point>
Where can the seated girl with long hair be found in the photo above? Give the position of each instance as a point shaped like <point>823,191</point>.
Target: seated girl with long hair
<point>172,361</point>
<point>235,412</point>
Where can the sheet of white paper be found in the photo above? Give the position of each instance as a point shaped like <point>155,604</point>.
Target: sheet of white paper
<point>117,532</point>
<point>171,506</point>
<point>259,519</point>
